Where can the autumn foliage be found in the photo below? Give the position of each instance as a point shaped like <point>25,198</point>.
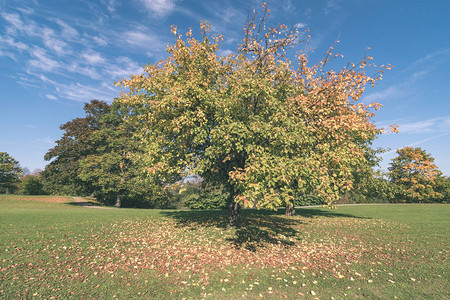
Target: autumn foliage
<point>415,173</point>
<point>266,128</point>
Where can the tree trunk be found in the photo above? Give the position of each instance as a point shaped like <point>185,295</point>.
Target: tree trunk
<point>117,201</point>
<point>290,210</point>
<point>235,214</point>
<point>234,218</point>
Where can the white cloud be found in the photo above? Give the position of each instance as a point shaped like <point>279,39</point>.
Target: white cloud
<point>46,142</point>
<point>391,92</point>
<point>68,32</point>
<point>230,15</point>
<point>42,61</point>
<point>17,25</point>
<point>397,91</point>
<point>50,56</point>
<point>123,67</point>
<point>87,71</point>
<point>111,5</point>
<point>300,25</point>
<point>159,8</point>
<point>143,39</point>
<point>93,58</point>
<point>98,40</point>
<point>428,139</point>
<point>25,10</point>
<point>440,124</point>
<point>83,93</point>
<point>224,15</point>
<point>55,44</point>
<point>9,41</point>
<point>444,53</point>
<point>13,19</point>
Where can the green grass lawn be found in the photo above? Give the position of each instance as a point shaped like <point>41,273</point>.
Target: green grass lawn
<point>51,249</point>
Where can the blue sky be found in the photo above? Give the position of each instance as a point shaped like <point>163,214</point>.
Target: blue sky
<point>56,55</point>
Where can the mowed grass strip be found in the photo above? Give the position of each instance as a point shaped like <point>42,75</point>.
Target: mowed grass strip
<point>59,250</point>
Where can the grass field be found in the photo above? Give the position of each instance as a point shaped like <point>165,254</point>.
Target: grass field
<point>50,248</point>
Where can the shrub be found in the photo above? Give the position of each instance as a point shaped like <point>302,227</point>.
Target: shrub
<point>31,185</point>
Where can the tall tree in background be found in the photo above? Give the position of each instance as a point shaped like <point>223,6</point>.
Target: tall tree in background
<point>414,171</point>
<point>443,189</point>
<point>370,185</point>
<point>10,172</point>
<point>111,169</point>
<point>250,121</point>
<point>61,174</point>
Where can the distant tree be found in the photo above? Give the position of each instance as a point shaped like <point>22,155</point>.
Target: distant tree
<point>370,185</point>
<point>443,189</point>
<point>250,122</point>
<point>112,170</point>
<point>415,173</point>
<point>31,185</point>
<point>10,172</point>
<point>61,174</point>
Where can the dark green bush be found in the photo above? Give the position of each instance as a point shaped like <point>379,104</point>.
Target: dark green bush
<point>204,197</point>
<point>31,185</point>
<point>307,200</point>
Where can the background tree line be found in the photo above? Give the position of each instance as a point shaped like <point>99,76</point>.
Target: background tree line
<point>98,156</point>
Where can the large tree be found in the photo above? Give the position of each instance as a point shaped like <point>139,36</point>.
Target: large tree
<point>10,172</point>
<point>112,168</point>
<point>250,121</point>
<point>414,172</point>
<point>61,174</point>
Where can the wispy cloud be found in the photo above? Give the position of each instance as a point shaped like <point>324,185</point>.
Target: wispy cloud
<point>224,18</point>
<point>143,38</point>
<point>123,67</point>
<point>43,143</point>
<point>93,58</point>
<point>300,25</point>
<point>428,139</point>
<point>83,92</point>
<point>62,60</point>
<point>159,8</point>
<point>110,5</point>
<point>68,32</point>
<point>42,61</point>
<point>444,54</point>
<point>331,5</point>
<point>400,90</point>
<point>389,93</point>
<point>440,124</point>
<point>10,42</point>
<point>417,143</point>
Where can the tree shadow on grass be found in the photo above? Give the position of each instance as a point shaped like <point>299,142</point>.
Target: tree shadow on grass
<point>258,227</point>
<point>314,213</point>
<point>83,204</point>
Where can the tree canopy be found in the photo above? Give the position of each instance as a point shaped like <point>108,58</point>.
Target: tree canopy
<point>61,174</point>
<point>10,172</point>
<point>251,121</point>
<point>112,170</point>
<point>414,171</point>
